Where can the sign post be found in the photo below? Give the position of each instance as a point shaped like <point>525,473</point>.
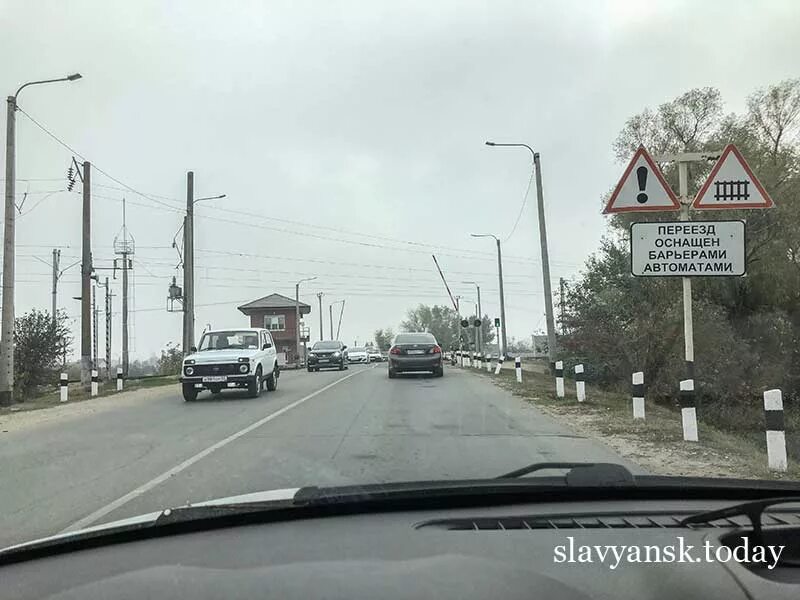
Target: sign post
<point>707,248</point>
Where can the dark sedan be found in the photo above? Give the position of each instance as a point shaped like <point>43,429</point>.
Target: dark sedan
<point>415,352</point>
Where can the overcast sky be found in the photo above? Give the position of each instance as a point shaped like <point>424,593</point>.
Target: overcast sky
<point>349,139</point>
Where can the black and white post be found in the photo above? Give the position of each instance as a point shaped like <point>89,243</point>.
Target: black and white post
<point>489,363</point>
<point>688,410</point>
<point>120,380</point>
<point>518,368</point>
<point>637,393</point>
<point>560,378</point>
<point>64,387</point>
<point>776,431</point>
<point>580,384</point>
<point>499,365</point>
<point>95,382</point>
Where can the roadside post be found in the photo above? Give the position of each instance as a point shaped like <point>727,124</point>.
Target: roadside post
<point>489,363</point>
<point>560,378</point>
<point>119,379</point>
<point>637,394</point>
<point>518,368</point>
<point>64,387</point>
<point>580,384</point>
<point>688,410</point>
<point>95,382</point>
<point>681,248</point>
<point>499,365</point>
<point>776,433</point>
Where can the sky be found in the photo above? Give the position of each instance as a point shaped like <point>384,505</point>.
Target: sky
<point>348,137</point>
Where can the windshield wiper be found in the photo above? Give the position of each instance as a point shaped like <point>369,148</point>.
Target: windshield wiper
<point>752,510</point>
<point>580,473</point>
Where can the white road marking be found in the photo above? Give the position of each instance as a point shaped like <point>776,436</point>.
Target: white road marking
<point>146,487</point>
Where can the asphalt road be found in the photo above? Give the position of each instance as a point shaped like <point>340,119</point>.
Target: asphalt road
<point>154,451</point>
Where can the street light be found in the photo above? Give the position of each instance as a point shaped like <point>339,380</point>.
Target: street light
<point>502,296</point>
<point>9,254</point>
<point>479,336</point>
<point>548,294</point>
<point>330,311</point>
<point>188,262</point>
<point>297,314</point>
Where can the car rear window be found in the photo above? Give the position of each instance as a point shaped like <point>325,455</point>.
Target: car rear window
<point>327,346</point>
<point>415,338</point>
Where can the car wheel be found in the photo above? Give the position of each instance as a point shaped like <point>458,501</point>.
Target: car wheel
<point>392,374</point>
<point>272,380</point>
<point>438,372</point>
<point>254,385</point>
<point>341,366</point>
<point>310,370</point>
<point>189,392</point>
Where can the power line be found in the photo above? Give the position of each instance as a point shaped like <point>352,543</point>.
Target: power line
<point>521,208</point>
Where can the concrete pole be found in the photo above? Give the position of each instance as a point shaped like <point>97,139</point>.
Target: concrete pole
<point>9,257</point>
<point>502,300</point>
<point>319,297</point>
<point>688,328</point>
<point>108,331</point>
<point>95,357</point>
<point>54,309</point>
<point>330,317</point>
<point>548,294</point>
<point>86,280</point>
<point>480,316</point>
<point>297,321</point>
<point>125,314</point>
<point>188,267</point>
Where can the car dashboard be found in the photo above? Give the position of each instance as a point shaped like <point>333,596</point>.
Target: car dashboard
<point>499,551</point>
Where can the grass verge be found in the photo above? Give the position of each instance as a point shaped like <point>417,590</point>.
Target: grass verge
<point>657,443</point>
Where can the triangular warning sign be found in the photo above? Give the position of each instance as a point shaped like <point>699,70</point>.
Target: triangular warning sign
<point>731,185</point>
<point>642,188</point>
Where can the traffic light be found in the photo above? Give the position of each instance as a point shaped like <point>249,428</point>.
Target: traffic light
<point>477,323</point>
<point>497,322</point>
<point>464,323</point>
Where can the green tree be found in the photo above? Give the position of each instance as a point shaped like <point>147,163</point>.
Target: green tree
<point>383,338</point>
<point>170,361</point>
<point>40,346</point>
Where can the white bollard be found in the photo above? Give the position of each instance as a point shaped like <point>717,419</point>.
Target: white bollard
<point>776,431</point>
<point>688,411</point>
<point>518,368</point>
<point>489,364</point>
<point>560,378</point>
<point>637,394</point>
<point>95,381</point>
<point>499,366</point>
<point>119,379</point>
<point>63,384</point>
<point>580,385</point>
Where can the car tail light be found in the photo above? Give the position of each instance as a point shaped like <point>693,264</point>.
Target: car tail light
<point>435,350</point>
<point>394,350</point>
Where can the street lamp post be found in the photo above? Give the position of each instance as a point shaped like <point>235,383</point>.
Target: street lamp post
<point>548,294</point>
<point>9,254</point>
<point>502,295</point>
<point>297,314</point>
<point>188,262</point>
<point>479,341</point>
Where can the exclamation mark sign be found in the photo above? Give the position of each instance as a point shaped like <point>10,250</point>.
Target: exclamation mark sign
<point>641,175</point>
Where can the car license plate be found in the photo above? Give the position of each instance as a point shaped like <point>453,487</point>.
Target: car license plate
<point>416,351</point>
<point>215,378</point>
<point>323,360</point>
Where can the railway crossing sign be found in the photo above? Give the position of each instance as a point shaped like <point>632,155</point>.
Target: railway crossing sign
<point>731,185</point>
<point>642,188</point>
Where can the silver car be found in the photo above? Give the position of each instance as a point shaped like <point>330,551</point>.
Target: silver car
<point>358,355</point>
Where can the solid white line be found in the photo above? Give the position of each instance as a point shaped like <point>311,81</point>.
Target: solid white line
<point>146,487</point>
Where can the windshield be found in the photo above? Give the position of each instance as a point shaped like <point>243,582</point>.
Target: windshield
<point>229,340</point>
<point>282,244</point>
<point>327,346</point>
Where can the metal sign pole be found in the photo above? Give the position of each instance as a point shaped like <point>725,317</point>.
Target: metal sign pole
<point>688,328</point>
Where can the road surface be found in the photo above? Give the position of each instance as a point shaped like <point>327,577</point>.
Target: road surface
<point>152,450</point>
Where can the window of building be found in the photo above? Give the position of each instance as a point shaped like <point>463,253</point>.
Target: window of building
<point>275,322</point>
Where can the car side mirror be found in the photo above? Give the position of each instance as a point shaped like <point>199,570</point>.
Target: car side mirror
<point>266,345</point>
<point>193,349</point>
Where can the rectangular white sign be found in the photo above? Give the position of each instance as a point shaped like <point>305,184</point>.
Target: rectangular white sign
<point>688,249</point>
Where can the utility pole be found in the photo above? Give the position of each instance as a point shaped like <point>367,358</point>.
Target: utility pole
<point>86,279</point>
<point>56,258</point>
<point>125,314</point>
<point>95,361</point>
<point>330,317</point>
<point>108,330</point>
<point>319,297</point>
<point>548,294</point>
<point>479,333</point>
<point>188,266</point>
<point>339,326</point>
<point>562,285</point>
<point>502,300</point>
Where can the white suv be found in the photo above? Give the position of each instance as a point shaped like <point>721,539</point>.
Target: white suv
<point>231,359</point>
